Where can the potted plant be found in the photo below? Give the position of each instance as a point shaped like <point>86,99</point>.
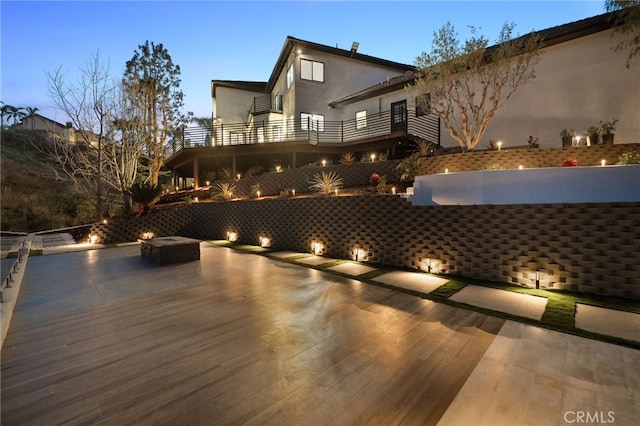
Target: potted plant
<point>567,136</point>
<point>608,128</point>
<point>593,133</point>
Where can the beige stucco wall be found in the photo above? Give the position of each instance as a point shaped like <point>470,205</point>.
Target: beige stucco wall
<point>233,105</point>
<point>578,83</point>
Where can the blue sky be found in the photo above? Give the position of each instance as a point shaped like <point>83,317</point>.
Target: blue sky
<point>238,40</point>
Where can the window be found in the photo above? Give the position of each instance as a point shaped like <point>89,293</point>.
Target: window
<point>290,76</point>
<point>311,70</point>
<point>316,121</point>
<point>361,119</point>
<point>277,102</point>
<point>423,105</point>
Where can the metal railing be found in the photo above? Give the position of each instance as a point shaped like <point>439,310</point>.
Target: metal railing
<point>310,131</point>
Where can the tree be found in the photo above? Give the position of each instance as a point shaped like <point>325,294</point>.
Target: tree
<point>153,81</point>
<point>88,103</point>
<point>466,84</point>
<point>627,22</point>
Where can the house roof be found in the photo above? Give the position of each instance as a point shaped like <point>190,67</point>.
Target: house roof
<point>251,86</point>
<point>550,37</point>
<point>53,122</point>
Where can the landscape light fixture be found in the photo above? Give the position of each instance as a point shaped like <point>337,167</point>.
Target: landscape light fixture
<point>446,171</point>
<point>293,192</point>
<point>93,239</point>
<point>603,163</point>
<point>393,190</point>
<point>324,163</point>
<point>232,236</point>
<point>428,260</point>
<point>264,242</point>
<point>520,167</point>
<point>258,192</point>
<point>499,145</point>
<point>373,158</point>
<point>238,176</point>
<point>359,254</point>
<point>537,278</point>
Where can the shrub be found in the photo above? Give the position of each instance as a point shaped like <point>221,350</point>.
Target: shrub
<point>347,159</point>
<point>326,183</point>
<point>409,167</point>
<point>375,179</point>
<point>145,194</point>
<point>627,158</point>
<point>569,162</point>
<point>225,190</point>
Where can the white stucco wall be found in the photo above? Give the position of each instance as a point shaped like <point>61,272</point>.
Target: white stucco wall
<point>232,106</point>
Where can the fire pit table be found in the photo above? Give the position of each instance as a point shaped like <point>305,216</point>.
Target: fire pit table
<point>164,250</point>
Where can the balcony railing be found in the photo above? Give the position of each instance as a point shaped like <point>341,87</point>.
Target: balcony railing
<point>311,131</point>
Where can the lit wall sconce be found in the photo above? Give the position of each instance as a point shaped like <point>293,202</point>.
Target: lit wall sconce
<point>499,145</point>
<point>93,239</point>
<point>264,241</point>
<point>603,163</point>
<point>358,255</point>
<point>316,248</point>
<point>232,236</point>
<point>147,235</point>
<point>427,263</point>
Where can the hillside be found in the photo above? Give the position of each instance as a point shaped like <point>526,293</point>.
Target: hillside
<point>33,196</point>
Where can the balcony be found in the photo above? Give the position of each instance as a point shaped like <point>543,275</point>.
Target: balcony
<point>375,126</point>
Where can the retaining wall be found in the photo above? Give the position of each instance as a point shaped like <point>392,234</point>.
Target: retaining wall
<point>591,247</point>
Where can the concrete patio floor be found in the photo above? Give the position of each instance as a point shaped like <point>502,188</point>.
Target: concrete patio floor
<point>106,337</point>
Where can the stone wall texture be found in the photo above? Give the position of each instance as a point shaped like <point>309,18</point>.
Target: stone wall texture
<point>591,247</point>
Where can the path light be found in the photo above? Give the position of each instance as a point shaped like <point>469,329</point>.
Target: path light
<point>335,191</point>
<point>278,169</point>
<point>258,192</point>
<point>603,163</point>
<point>520,167</point>
<point>393,190</point>
<point>293,192</point>
<point>232,236</point>
<point>93,239</point>
<point>373,157</point>
<point>105,221</point>
<point>538,278</point>
<point>446,170</point>
<point>147,235</point>
<point>499,145</point>
<point>358,254</point>
<point>177,188</point>
<point>324,163</point>
<point>238,176</point>
<point>428,262</point>
<point>208,183</point>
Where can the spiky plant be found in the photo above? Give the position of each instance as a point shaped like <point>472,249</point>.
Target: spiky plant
<point>347,158</point>
<point>409,167</point>
<point>225,173</point>
<point>225,190</point>
<point>326,183</point>
<point>423,147</point>
<point>145,194</point>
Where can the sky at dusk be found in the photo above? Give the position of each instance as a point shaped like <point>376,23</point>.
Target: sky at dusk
<point>238,40</point>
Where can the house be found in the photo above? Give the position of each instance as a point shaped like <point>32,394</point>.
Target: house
<point>322,101</point>
<point>37,122</point>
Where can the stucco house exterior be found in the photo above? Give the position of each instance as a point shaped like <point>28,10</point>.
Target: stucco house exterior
<point>322,101</point>
<point>37,122</point>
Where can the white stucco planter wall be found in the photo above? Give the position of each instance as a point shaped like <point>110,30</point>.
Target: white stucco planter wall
<point>530,186</point>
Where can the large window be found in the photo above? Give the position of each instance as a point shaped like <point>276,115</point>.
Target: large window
<point>311,70</point>
<point>361,119</point>
<point>290,76</point>
<point>312,122</point>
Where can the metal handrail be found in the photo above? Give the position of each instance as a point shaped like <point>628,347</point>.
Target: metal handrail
<point>297,130</point>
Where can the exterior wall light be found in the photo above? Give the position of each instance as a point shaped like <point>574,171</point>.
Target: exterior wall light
<point>264,241</point>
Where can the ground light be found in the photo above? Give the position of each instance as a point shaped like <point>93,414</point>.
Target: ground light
<point>232,236</point>
<point>264,241</point>
<point>316,247</point>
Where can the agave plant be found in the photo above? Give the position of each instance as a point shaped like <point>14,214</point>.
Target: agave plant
<point>423,147</point>
<point>145,194</point>
<point>347,158</point>
<point>226,190</point>
<point>326,183</point>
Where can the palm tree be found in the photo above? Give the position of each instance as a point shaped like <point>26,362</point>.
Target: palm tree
<point>30,112</point>
<point>145,194</point>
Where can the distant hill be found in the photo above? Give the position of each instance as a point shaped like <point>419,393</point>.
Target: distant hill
<point>34,197</point>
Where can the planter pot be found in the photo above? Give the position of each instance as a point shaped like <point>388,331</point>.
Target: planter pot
<point>567,141</point>
<point>607,139</point>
